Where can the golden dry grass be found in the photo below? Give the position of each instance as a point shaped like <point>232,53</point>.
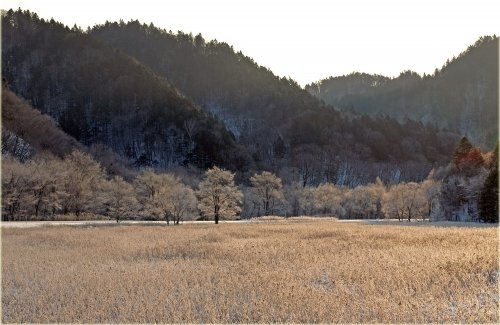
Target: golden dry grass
<point>310,271</point>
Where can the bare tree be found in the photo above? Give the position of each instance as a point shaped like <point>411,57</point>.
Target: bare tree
<point>218,195</point>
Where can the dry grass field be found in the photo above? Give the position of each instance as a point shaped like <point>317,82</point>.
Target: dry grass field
<point>308,271</point>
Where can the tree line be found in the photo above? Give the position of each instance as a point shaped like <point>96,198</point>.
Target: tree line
<point>46,186</point>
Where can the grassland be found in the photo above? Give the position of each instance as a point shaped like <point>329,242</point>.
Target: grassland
<point>309,271</point>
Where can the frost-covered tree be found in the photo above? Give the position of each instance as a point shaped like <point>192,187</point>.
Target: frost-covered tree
<point>147,184</point>
<point>432,191</point>
<point>83,178</point>
<point>119,198</point>
<point>165,196</point>
<point>292,193</point>
<point>250,206</point>
<point>15,187</point>
<point>181,202</point>
<point>306,197</point>
<point>364,201</point>
<point>218,195</point>
<point>47,185</point>
<point>328,199</point>
<point>405,201</point>
<point>377,191</point>
<point>461,183</point>
<point>34,188</point>
<point>267,190</point>
<point>358,203</point>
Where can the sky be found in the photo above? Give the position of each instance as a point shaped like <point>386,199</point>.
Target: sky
<point>306,40</point>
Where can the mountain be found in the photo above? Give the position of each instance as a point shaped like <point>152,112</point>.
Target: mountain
<point>279,123</point>
<point>462,96</point>
<point>25,130</point>
<point>99,95</point>
<point>254,104</point>
<point>163,99</point>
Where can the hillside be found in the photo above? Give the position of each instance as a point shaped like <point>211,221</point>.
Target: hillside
<point>137,89</point>
<point>279,123</point>
<point>462,96</point>
<point>25,130</point>
<point>99,95</point>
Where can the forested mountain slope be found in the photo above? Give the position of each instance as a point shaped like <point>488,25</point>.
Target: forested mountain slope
<point>109,85</point>
<point>26,131</point>
<point>99,95</point>
<point>278,122</point>
<point>462,96</point>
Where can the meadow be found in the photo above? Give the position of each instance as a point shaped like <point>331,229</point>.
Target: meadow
<point>286,272</point>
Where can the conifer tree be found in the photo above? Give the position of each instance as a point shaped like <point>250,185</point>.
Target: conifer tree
<point>488,197</point>
<point>463,148</point>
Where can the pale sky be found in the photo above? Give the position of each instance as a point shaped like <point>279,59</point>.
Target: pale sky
<point>306,40</point>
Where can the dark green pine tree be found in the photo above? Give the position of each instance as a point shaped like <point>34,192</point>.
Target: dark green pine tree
<point>494,158</point>
<point>488,197</point>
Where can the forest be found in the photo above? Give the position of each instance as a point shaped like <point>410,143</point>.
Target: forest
<point>462,96</point>
<point>129,121</point>
<point>46,186</point>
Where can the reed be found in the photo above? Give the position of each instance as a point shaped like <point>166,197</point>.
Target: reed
<point>292,272</point>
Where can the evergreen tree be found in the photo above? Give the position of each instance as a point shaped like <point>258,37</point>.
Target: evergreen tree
<point>463,148</point>
<point>467,159</point>
<point>488,197</point>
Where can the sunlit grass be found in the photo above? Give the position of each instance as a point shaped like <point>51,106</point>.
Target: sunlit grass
<point>307,271</point>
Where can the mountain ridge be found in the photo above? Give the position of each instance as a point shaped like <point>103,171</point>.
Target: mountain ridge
<point>275,124</point>
<point>99,95</point>
<point>461,96</point>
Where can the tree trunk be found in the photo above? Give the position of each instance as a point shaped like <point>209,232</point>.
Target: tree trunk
<point>37,207</point>
<point>216,213</point>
